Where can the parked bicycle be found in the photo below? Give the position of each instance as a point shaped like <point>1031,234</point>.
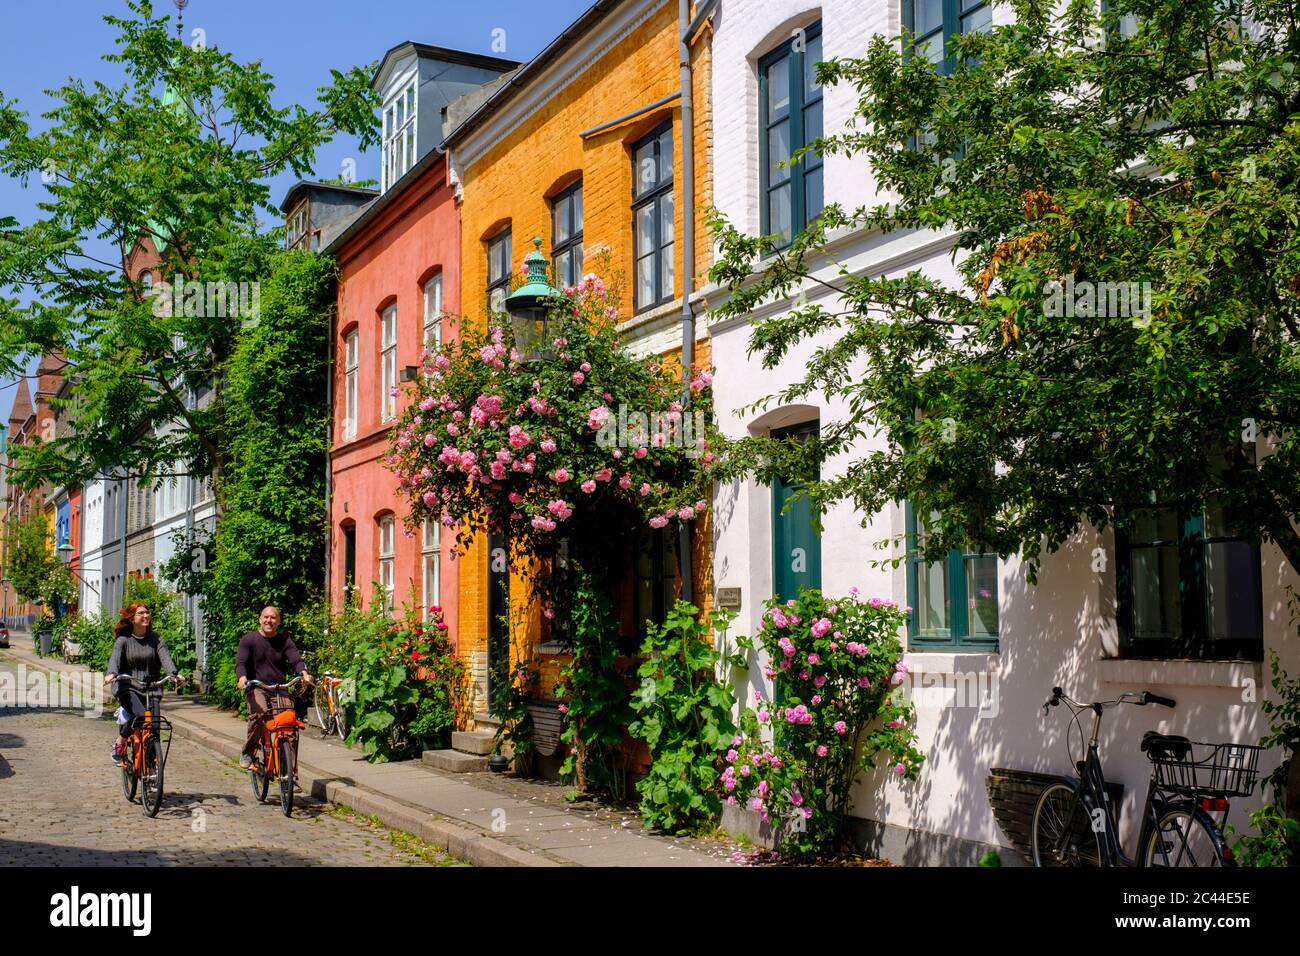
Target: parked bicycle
<point>1075,823</point>
<point>276,751</point>
<point>147,747</point>
<point>329,705</point>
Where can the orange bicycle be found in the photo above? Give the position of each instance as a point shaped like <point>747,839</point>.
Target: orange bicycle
<point>275,758</point>
<point>146,748</point>
<point>329,705</point>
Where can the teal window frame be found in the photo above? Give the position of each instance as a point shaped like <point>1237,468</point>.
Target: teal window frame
<point>956,635</point>
<point>798,172</point>
<point>1193,641</point>
<point>955,15</point>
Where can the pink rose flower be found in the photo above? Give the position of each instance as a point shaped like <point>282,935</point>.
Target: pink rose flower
<point>588,486</point>
<point>841,727</point>
<point>821,750</point>
<point>560,476</point>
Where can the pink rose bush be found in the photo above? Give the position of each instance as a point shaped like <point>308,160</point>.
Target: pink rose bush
<point>489,439</point>
<point>836,662</point>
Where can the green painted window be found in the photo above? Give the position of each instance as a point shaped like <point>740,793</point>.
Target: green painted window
<point>954,600</point>
<point>790,118</point>
<point>1188,587</point>
<point>934,24</point>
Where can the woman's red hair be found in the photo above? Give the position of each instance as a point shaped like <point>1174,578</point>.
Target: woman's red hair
<point>126,621</point>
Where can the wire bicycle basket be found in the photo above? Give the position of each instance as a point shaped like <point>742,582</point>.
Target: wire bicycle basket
<point>1208,770</point>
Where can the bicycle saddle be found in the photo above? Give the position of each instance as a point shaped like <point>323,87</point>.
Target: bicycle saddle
<point>1160,746</point>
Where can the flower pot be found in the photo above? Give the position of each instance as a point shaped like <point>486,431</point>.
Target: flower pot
<point>498,764</point>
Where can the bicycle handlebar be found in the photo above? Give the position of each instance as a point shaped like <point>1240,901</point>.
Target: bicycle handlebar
<point>1140,698</point>
<point>144,685</point>
<point>275,687</point>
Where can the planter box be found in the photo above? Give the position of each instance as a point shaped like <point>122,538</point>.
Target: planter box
<point>742,821</point>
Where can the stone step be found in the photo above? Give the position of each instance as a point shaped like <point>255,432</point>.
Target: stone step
<point>453,761</point>
<point>477,742</point>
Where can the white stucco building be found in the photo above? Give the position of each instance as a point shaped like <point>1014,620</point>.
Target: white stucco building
<point>1011,639</point>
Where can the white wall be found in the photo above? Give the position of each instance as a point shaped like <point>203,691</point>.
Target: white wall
<point>1057,632</point>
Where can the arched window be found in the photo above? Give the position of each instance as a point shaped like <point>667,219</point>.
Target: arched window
<point>387,547</point>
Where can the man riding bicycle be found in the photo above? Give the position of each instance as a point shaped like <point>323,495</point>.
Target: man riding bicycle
<point>265,655</point>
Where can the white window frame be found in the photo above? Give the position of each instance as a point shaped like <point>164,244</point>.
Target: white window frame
<point>388,363</point>
<point>433,312</point>
<point>351,366</point>
<point>431,549</point>
<point>386,559</point>
<point>400,131</point>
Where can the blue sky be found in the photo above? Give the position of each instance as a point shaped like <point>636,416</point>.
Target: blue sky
<point>298,42</point>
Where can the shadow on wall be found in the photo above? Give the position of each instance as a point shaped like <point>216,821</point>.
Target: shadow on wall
<point>1051,634</point>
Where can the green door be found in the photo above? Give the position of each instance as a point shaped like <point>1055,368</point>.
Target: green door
<point>796,546</point>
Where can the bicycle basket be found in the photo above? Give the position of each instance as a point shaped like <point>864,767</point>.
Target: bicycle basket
<point>1208,770</point>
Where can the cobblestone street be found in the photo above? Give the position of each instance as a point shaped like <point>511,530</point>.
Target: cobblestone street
<point>61,803</point>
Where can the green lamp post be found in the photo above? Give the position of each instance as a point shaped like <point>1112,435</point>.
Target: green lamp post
<point>529,308</point>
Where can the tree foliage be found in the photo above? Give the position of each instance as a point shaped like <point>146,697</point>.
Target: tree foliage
<point>181,153</point>
<point>1058,150</point>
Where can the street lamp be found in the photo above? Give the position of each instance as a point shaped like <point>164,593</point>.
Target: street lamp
<point>529,307</point>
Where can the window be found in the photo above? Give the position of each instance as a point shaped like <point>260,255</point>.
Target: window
<point>350,387</point>
<point>399,135</point>
<point>934,23</point>
<point>433,313</point>
<point>386,560</point>
<point>432,550</point>
<point>954,600</point>
<point>499,259</point>
<point>388,364</point>
<point>298,224</point>
<point>566,236</point>
<point>146,280</point>
<point>790,117</point>
<point>652,216</point>
<point>656,576</point>
<point>1188,586</point>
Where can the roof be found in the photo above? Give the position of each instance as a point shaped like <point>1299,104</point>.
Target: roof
<point>372,209</point>
<point>22,409</point>
<point>589,18</point>
<point>303,185</point>
<point>443,53</point>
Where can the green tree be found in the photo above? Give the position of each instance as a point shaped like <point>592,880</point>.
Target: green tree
<point>181,152</point>
<point>32,567</point>
<point>1061,148</point>
<point>269,543</point>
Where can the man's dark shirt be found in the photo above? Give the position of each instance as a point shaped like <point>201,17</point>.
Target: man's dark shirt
<point>265,658</point>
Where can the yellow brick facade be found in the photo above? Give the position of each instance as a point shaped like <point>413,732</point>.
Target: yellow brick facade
<point>510,184</point>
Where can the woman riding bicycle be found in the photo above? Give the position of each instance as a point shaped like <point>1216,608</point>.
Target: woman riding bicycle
<point>140,653</point>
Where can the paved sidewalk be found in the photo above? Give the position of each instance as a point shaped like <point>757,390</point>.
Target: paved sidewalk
<point>480,825</point>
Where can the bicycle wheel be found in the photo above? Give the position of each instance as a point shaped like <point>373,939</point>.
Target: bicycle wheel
<point>128,773</point>
<point>340,721</point>
<point>1184,836</point>
<point>152,781</point>
<point>286,775</point>
<point>321,699</point>
<point>1061,820</point>
<point>259,776</point>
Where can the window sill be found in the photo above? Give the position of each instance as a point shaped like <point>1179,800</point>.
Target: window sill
<point>550,649</point>
<point>1181,673</point>
<point>951,662</point>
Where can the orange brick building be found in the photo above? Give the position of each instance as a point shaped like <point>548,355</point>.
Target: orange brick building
<point>583,147</point>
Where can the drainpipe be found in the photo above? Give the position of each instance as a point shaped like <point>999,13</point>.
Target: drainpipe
<point>329,440</point>
<point>688,258</point>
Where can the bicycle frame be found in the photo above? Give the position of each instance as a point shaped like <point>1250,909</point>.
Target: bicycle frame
<point>1091,790</point>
